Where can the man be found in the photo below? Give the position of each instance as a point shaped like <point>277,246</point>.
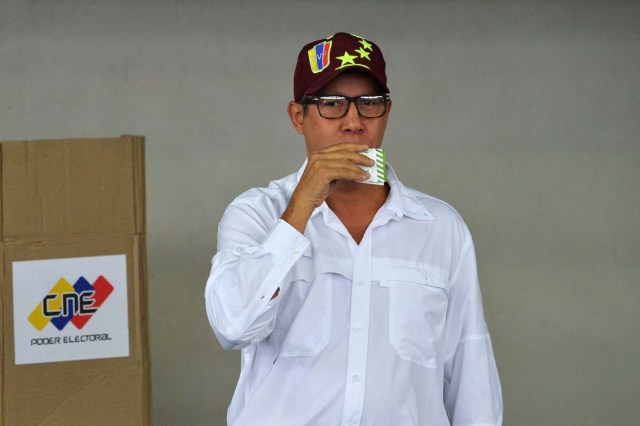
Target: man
<point>352,304</point>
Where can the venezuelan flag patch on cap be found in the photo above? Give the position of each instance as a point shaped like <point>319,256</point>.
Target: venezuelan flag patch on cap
<point>319,56</point>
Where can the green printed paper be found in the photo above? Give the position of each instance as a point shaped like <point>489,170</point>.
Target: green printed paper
<point>377,172</point>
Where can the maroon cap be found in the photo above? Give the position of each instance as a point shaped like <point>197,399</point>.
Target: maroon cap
<point>322,60</point>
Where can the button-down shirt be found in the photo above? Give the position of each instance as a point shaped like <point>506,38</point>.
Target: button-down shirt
<point>387,332</point>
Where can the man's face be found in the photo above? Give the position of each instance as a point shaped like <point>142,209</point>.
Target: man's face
<point>321,133</point>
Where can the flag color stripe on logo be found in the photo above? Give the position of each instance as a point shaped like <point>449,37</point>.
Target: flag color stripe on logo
<point>66,303</point>
<point>319,56</point>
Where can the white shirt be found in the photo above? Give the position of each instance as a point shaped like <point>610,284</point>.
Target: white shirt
<point>388,332</point>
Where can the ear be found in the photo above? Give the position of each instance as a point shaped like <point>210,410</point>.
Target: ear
<point>296,114</point>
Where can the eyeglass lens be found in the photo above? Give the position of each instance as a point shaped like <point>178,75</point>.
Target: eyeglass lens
<point>369,106</point>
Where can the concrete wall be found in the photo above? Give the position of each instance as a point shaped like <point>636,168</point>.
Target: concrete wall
<point>524,115</point>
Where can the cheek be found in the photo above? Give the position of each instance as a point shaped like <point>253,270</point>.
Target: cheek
<point>379,130</point>
<point>318,133</point>
<point>312,138</point>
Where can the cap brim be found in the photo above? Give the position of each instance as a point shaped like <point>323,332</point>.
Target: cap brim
<point>320,83</point>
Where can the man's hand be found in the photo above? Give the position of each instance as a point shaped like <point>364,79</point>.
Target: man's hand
<point>323,169</point>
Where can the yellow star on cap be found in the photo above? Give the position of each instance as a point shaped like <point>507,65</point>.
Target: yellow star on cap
<point>363,53</point>
<point>346,59</point>
<point>366,44</point>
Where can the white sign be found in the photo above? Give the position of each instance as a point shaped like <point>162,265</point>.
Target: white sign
<point>70,309</point>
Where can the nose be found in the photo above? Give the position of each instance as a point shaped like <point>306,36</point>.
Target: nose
<point>352,122</point>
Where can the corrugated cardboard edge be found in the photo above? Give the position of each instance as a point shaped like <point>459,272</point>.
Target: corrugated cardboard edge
<point>139,182</point>
<point>140,251</point>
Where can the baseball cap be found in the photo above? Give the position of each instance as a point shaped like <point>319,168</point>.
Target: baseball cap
<point>322,60</point>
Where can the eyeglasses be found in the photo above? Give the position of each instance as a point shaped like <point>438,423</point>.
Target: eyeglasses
<point>333,106</point>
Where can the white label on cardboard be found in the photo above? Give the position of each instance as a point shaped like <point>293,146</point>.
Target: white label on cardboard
<point>70,309</point>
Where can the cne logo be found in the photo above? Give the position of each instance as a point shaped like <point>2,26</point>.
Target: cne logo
<point>70,303</point>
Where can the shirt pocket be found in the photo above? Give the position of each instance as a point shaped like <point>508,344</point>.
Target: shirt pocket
<point>417,312</point>
<point>303,325</point>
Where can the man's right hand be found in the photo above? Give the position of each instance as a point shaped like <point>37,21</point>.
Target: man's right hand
<point>323,169</point>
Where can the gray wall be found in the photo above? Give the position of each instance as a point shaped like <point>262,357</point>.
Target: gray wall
<point>523,115</point>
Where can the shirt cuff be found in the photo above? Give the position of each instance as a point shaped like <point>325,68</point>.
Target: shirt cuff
<point>286,245</point>
<point>286,242</point>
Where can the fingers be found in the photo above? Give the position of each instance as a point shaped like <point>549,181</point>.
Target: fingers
<point>331,170</point>
<point>355,147</point>
<point>339,165</point>
<point>345,151</point>
<point>324,167</point>
<point>339,161</point>
<point>341,156</point>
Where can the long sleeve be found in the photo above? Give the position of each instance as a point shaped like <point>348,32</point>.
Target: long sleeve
<point>255,253</point>
<point>473,395</point>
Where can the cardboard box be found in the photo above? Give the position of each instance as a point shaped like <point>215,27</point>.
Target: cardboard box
<point>74,347</point>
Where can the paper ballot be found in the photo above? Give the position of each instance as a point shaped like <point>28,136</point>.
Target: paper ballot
<point>377,172</point>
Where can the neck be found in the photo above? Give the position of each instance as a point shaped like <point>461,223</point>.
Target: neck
<point>356,204</point>
<point>359,195</point>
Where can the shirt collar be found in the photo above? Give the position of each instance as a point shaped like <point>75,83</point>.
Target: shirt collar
<point>400,202</point>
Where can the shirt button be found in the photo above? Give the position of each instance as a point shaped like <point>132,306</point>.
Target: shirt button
<point>295,250</point>
<point>355,378</point>
<point>359,329</point>
<point>361,283</point>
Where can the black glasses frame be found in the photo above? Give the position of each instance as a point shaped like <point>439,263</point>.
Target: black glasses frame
<point>306,100</point>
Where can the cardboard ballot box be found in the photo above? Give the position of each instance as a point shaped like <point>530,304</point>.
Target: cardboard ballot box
<point>73,315</point>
